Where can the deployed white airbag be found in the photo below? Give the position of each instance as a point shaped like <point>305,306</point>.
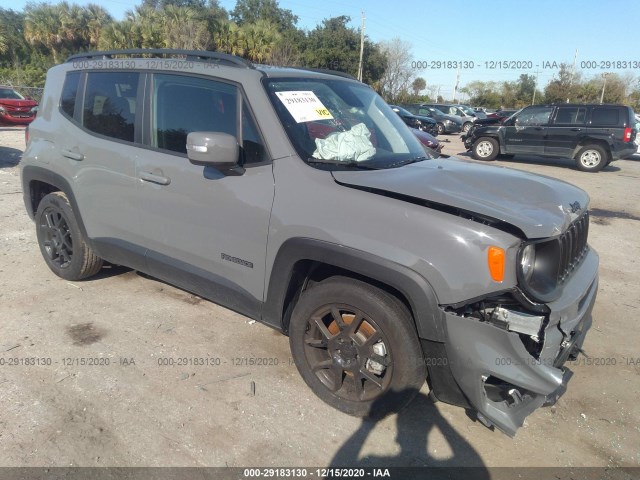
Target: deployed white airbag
<point>352,145</point>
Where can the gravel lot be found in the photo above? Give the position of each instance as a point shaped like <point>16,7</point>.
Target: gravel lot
<point>135,412</point>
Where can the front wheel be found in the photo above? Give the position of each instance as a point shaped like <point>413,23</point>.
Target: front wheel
<point>440,128</point>
<point>486,148</point>
<point>356,347</point>
<point>61,242</point>
<point>592,158</point>
<point>466,127</point>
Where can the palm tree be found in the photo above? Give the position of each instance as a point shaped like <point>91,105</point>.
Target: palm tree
<point>119,36</point>
<point>260,39</point>
<point>3,39</point>
<point>97,18</point>
<point>228,38</point>
<point>43,26</point>
<point>184,28</point>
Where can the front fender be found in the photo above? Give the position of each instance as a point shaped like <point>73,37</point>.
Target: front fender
<point>415,288</point>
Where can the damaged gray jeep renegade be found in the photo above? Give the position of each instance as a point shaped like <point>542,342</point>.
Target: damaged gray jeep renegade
<point>300,199</point>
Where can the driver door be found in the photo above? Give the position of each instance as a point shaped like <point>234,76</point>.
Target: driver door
<point>526,132</point>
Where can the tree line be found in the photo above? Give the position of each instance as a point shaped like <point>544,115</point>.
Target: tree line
<point>41,35</point>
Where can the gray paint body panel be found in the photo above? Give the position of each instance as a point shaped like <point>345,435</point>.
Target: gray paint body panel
<point>537,205</point>
<point>235,239</point>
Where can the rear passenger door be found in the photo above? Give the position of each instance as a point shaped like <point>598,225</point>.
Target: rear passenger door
<point>566,130</point>
<point>205,231</point>
<point>100,157</point>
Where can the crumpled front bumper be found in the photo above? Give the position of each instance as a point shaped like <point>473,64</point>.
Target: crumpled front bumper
<point>484,358</point>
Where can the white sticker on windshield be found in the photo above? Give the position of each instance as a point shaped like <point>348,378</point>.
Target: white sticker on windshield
<point>304,106</point>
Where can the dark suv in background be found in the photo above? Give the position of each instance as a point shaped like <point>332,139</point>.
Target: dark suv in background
<point>445,123</point>
<point>592,135</point>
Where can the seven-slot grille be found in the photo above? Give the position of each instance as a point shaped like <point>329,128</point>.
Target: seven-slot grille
<point>573,246</point>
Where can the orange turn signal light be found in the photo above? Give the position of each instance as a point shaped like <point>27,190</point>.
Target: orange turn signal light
<point>495,259</point>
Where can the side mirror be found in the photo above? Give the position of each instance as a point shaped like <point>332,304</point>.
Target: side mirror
<point>215,149</point>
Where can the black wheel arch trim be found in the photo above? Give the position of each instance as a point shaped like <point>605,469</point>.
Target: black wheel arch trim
<point>415,288</point>
<point>31,173</point>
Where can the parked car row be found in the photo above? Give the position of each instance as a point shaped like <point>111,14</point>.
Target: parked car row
<point>593,135</point>
<point>16,109</point>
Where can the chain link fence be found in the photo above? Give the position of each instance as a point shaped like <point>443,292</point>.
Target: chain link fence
<point>34,93</point>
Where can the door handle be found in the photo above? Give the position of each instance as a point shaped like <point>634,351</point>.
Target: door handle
<point>576,129</point>
<point>153,178</point>
<point>73,155</point>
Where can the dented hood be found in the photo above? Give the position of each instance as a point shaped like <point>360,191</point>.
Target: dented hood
<point>537,205</point>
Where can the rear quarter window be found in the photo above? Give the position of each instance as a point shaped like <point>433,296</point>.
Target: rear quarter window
<point>69,92</point>
<point>605,117</point>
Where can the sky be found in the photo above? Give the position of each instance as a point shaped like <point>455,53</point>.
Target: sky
<point>530,35</point>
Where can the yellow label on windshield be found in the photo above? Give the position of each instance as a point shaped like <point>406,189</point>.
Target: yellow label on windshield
<point>304,106</point>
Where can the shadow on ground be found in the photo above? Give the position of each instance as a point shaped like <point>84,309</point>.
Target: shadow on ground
<point>9,157</point>
<point>414,424</point>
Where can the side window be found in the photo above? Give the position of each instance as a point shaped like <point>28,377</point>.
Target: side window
<point>183,104</point>
<point>533,116</point>
<point>110,104</point>
<point>571,116</point>
<point>69,91</point>
<point>253,150</point>
<point>605,116</point>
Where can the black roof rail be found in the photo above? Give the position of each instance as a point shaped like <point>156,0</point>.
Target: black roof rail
<point>194,55</point>
<point>327,71</point>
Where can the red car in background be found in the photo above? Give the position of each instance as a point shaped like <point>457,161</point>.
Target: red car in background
<point>16,109</point>
<point>428,140</point>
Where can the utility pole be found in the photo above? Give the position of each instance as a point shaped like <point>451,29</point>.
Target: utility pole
<point>573,71</point>
<point>361,48</point>
<point>438,94</point>
<point>604,84</point>
<point>455,88</point>
<point>535,87</point>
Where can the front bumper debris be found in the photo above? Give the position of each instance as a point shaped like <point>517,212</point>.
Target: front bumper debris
<point>504,379</point>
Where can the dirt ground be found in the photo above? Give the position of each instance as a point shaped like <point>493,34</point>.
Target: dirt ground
<point>128,408</point>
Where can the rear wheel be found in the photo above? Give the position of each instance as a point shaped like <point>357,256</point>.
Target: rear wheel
<point>592,158</point>
<point>61,242</point>
<point>356,347</point>
<point>485,148</point>
<point>466,127</point>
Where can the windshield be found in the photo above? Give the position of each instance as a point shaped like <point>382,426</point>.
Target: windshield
<point>338,123</point>
<point>10,94</point>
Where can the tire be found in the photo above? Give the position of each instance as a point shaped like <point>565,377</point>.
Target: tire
<point>466,127</point>
<point>591,158</point>
<point>337,361</point>
<point>485,148</point>
<point>61,242</point>
<point>440,128</point>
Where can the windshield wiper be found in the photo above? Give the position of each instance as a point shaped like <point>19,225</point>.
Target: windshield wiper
<point>409,161</point>
<point>350,163</point>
